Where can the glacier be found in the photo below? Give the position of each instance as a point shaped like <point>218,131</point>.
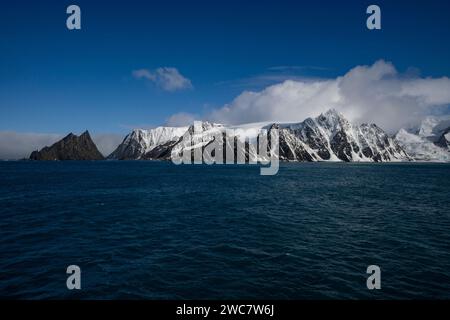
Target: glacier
<point>429,141</point>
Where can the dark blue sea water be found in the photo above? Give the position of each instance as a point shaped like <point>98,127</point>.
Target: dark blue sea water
<point>158,231</point>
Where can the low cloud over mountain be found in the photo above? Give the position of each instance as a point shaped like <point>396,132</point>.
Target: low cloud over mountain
<point>376,93</point>
<point>17,145</point>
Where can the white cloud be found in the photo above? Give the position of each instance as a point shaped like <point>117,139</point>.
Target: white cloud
<point>17,145</point>
<point>169,79</point>
<point>376,93</point>
<point>181,119</point>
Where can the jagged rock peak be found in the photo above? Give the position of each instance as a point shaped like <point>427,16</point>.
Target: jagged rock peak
<point>141,141</point>
<point>71,147</point>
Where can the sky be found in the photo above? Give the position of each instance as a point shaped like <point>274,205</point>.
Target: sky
<point>149,63</point>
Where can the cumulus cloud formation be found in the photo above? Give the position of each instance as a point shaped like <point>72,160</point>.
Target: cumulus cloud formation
<point>376,93</point>
<point>17,145</point>
<point>168,79</point>
<point>180,119</point>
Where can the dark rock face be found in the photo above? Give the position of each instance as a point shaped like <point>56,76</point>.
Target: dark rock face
<point>341,146</point>
<point>161,152</point>
<point>442,141</point>
<point>309,132</point>
<point>291,148</point>
<point>71,147</point>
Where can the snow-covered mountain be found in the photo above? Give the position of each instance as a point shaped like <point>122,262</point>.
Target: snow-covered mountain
<point>430,141</point>
<point>329,137</point>
<point>139,142</point>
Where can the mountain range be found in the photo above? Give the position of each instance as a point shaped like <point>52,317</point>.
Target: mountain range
<point>328,137</point>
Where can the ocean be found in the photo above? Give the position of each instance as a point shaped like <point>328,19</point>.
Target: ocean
<point>154,230</point>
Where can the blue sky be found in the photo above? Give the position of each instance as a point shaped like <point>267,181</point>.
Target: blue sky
<point>53,80</point>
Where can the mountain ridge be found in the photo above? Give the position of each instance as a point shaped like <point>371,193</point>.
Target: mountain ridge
<point>328,137</point>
